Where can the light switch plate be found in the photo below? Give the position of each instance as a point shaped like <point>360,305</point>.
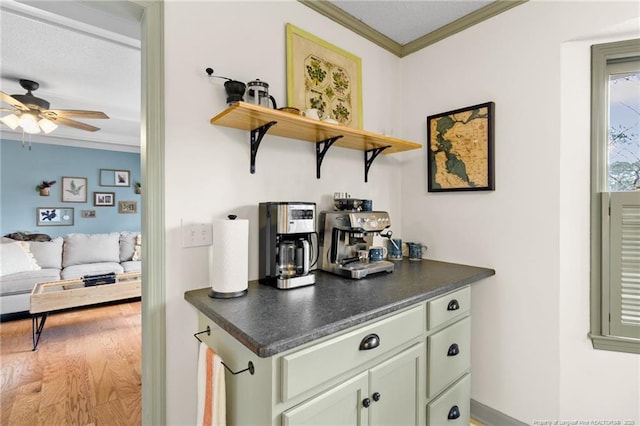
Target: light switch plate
<point>197,235</point>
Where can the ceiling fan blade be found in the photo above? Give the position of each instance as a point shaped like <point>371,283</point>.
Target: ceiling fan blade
<point>77,113</point>
<point>74,123</point>
<point>13,102</point>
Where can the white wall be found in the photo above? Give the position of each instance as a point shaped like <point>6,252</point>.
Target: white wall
<point>207,167</point>
<point>531,358</point>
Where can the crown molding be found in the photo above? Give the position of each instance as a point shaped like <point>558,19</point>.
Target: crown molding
<point>336,14</point>
<point>461,24</point>
<point>341,17</point>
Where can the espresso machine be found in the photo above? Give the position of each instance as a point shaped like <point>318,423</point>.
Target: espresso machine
<point>345,233</point>
<point>286,251</point>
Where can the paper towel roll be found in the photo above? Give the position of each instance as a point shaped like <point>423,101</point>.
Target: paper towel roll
<point>229,258</point>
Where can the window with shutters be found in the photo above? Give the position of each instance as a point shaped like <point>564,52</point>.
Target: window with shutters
<point>615,196</point>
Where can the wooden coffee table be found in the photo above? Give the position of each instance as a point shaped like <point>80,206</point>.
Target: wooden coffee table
<point>57,295</point>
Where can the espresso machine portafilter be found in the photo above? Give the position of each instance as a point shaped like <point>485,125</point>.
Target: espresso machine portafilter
<point>286,251</point>
<point>343,234</point>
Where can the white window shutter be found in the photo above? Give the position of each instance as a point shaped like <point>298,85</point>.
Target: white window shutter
<point>624,264</point>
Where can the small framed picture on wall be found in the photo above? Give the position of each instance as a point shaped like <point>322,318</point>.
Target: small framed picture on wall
<point>74,189</point>
<point>54,216</point>
<point>122,178</point>
<point>127,207</point>
<point>111,177</point>
<point>89,214</point>
<point>104,199</point>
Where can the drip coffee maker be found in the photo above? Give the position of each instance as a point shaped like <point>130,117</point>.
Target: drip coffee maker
<point>286,251</point>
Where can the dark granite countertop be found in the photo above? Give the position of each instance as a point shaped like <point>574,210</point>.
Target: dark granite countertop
<point>269,321</point>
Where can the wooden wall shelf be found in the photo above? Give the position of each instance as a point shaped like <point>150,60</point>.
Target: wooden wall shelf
<point>260,120</point>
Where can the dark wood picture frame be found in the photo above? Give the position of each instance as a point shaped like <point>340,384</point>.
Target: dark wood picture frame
<point>104,199</point>
<point>464,159</point>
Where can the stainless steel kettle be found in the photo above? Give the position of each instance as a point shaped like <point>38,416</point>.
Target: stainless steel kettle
<point>258,92</point>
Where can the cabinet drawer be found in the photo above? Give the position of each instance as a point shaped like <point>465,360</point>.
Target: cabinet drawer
<point>307,368</point>
<point>448,355</point>
<point>453,407</point>
<point>448,307</point>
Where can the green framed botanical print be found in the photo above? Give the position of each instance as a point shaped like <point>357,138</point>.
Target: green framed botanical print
<point>323,76</point>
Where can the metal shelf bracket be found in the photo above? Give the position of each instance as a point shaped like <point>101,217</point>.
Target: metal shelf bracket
<point>256,137</point>
<point>321,149</point>
<point>369,156</point>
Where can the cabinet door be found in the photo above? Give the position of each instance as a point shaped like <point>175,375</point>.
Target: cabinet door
<point>341,406</point>
<point>395,389</point>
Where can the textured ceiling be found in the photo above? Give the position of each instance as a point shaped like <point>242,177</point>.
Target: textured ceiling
<point>405,21</point>
<point>78,66</point>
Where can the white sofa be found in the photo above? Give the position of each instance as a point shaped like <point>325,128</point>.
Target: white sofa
<point>25,263</point>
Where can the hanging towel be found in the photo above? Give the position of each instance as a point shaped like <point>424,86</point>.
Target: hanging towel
<point>211,389</point>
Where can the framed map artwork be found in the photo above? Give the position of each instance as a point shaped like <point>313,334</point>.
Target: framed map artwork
<point>323,76</point>
<point>460,154</point>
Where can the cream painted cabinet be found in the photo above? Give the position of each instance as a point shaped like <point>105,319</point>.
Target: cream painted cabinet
<point>341,405</point>
<point>394,389</point>
<point>407,368</point>
<point>448,359</point>
<point>388,394</point>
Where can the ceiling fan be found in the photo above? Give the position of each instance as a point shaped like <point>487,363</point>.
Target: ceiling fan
<point>33,113</point>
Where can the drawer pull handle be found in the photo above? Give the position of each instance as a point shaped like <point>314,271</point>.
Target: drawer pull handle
<point>370,341</point>
<point>366,402</point>
<point>376,396</point>
<point>453,350</point>
<point>453,305</point>
<point>454,413</point>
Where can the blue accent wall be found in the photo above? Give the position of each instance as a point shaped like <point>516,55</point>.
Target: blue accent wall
<point>23,169</point>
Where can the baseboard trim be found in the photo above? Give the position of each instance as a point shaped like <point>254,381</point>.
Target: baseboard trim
<point>491,417</point>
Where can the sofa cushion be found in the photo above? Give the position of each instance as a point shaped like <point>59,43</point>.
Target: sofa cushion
<point>127,245</point>
<point>80,249</point>
<point>16,257</point>
<point>132,266</point>
<point>79,271</point>
<point>23,282</point>
<point>48,254</point>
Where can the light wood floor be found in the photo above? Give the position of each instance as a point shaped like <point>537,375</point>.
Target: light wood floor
<point>86,371</point>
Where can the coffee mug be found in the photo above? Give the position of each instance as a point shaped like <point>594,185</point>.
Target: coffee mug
<point>376,254</point>
<point>395,249</point>
<point>415,250</point>
<point>311,113</point>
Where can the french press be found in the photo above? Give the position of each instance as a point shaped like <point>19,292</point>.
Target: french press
<point>259,94</point>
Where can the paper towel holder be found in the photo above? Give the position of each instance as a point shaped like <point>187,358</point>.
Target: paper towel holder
<point>231,294</point>
<point>220,295</point>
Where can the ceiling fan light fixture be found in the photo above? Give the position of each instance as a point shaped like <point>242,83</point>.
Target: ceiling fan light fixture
<point>29,123</point>
<point>11,121</point>
<point>47,125</point>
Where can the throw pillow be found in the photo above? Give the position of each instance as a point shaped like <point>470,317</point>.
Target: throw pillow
<point>137,251</point>
<point>16,257</point>
<point>91,248</point>
<point>48,254</point>
<point>127,245</point>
